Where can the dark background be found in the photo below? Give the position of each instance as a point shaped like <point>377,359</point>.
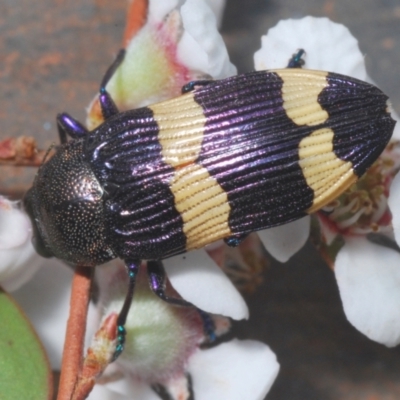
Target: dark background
<point>52,57</point>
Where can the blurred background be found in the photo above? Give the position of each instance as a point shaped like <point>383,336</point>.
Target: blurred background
<point>53,54</point>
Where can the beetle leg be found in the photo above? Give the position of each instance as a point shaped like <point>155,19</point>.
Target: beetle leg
<point>108,107</point>
<point>157,280</point>
<point>296,60</point>
<point>208,325</point>
<point>132,268</point>
<point>382,240</point>
<point>192,85</point>
<point>164,393</point>
<point>68,126</point>
<point>235,240</point>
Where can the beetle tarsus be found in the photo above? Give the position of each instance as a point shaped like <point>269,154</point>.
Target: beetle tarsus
<point>382,240</point>
<point>208,325</point>
<point>296,61</point>
<point>164,393</point>
<point>189,87</point>
<point>235,240</point>
<point>119,348</point>
<point>68,126</point>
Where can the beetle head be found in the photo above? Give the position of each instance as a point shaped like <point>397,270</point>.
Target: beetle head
<point>65,205</point>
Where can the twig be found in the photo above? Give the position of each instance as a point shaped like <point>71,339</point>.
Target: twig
<point>75,335</point>
<point>98,357</point>
<point>20,151</point>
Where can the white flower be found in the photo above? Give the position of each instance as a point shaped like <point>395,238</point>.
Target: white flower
<point>393,202</point>
<point>329,47</point>
<point>198,279</point>
<point>236,370</point>
<point>18,259</point>
<point>217,7</point>
<point>368,275</point>
<point>178,43</point>
<point>218,373</point>
<point>201,47</point>
<point>285,240</point>
<point>162,348</point>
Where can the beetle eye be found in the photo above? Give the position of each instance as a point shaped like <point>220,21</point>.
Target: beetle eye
<point>37,239</point>
<point>39,246</point>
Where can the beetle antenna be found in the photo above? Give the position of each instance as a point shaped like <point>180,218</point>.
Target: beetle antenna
<point>52,146</point>
<point>112,68</point>
<point>108,107</point>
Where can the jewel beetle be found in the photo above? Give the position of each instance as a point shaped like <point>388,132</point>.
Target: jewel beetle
<point>226,158</point>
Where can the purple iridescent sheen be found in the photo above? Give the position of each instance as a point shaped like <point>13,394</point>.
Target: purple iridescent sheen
<point>71,126</point>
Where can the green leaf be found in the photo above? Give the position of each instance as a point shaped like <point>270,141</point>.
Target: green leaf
<point>24,369</point>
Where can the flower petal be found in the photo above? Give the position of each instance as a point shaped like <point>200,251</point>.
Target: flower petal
<point>235,370</point>
<point>201,47</point>
<point>199,280</point>
<point>394,205</point>
<point>18,259</point>
<point>158,10</point>
<point>329,47</point>
<point>102,392</point>
<point>217,7</point>
<point>125,388</point>
<point>396,132</point>
<point>15,227</point>
<point>18,266</point>
<point>368,276</point>
<point>282,242</point>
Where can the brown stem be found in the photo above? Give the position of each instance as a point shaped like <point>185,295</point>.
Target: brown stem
<point>37,161</point>
<point>21,151</point>
<point>75,335</point>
